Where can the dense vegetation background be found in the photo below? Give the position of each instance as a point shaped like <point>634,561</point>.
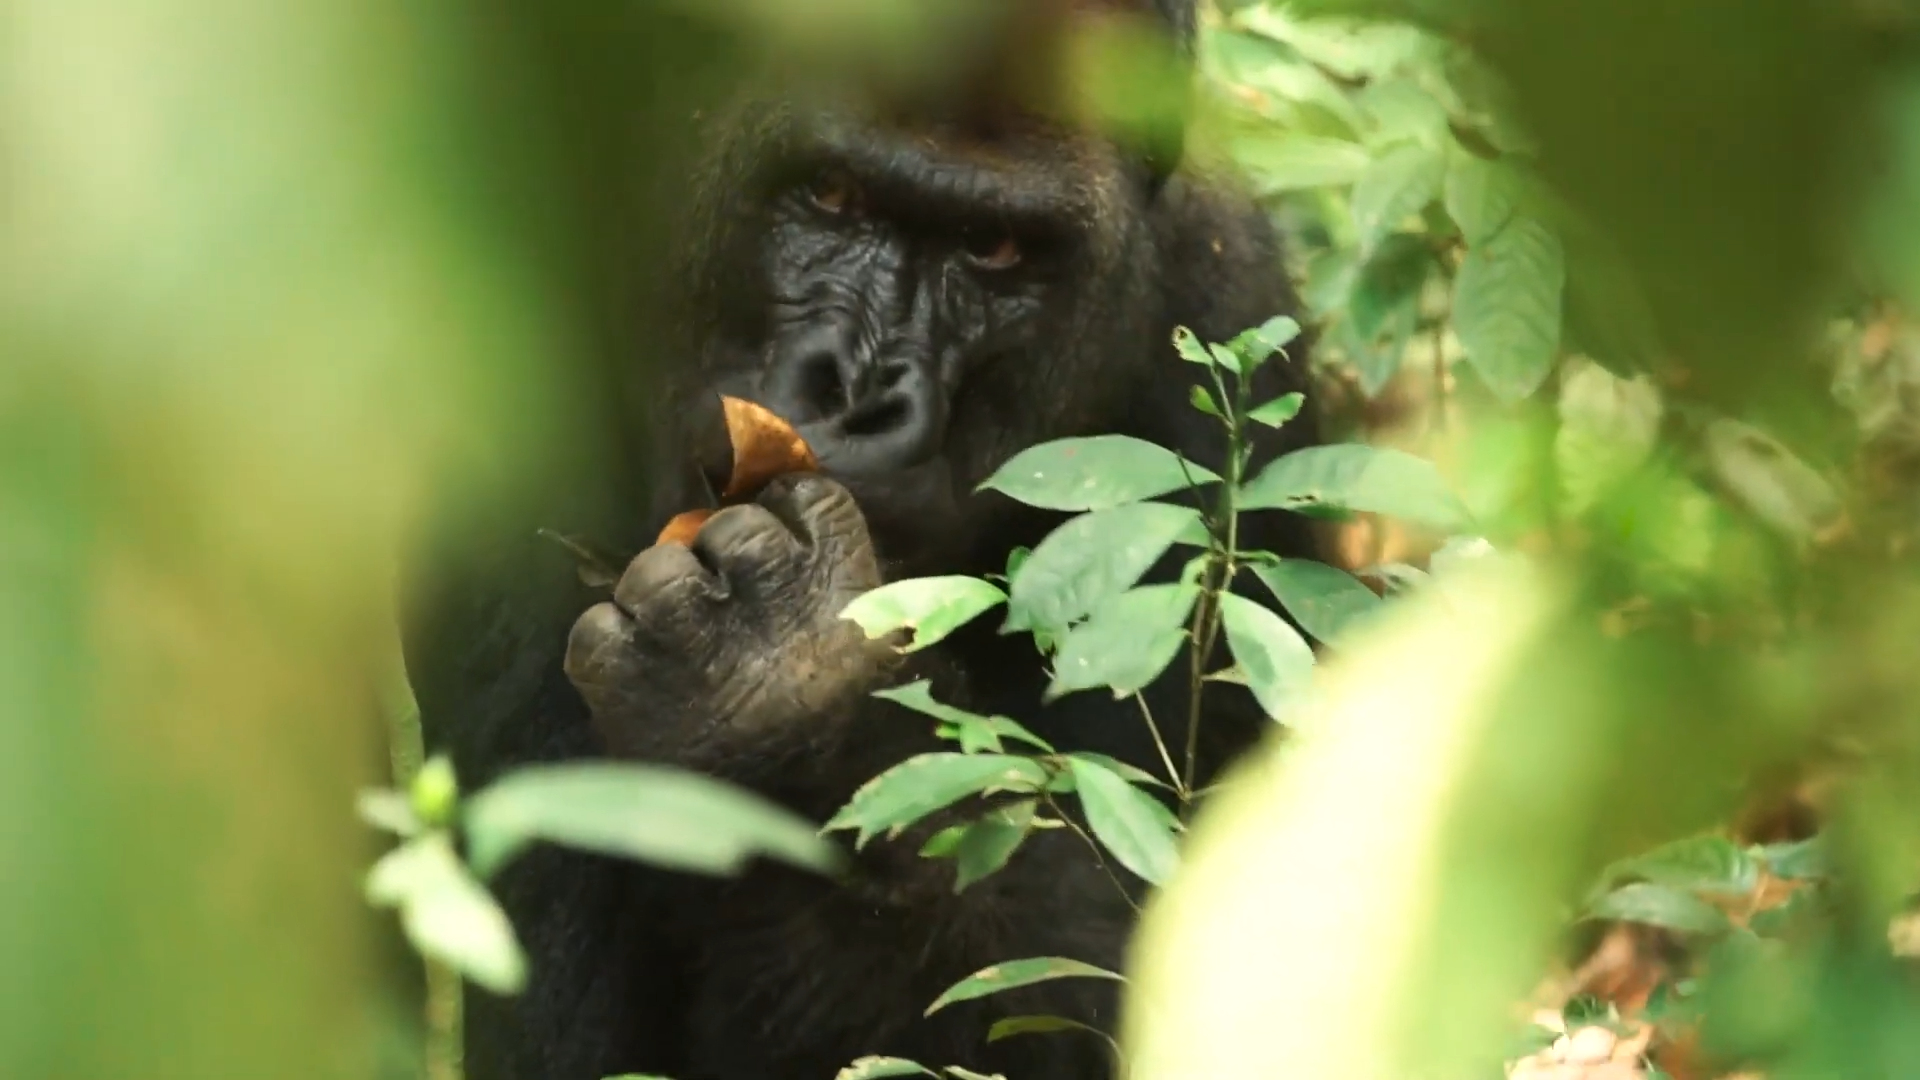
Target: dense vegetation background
<point>1635,744</point>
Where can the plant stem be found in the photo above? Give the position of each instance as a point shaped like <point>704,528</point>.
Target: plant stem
<point>1160,743</point>
<point>1219,576</point>
<point>441,1014</point>
<point>1099,857</point>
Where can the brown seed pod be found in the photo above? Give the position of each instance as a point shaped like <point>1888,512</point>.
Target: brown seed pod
<point>758,446</point>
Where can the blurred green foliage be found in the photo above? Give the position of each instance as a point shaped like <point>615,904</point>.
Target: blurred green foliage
<point>281,283</point>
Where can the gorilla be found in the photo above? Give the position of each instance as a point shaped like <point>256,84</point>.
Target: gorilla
<point>922,294</point>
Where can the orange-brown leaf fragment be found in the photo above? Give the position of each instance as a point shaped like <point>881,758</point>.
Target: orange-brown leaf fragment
<point>764,446</point>
<point>683,528</point>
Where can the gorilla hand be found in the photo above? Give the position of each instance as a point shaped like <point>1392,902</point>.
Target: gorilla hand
<point>734,647</point>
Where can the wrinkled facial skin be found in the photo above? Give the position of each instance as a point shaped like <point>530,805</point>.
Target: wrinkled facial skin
<point>917,313</point>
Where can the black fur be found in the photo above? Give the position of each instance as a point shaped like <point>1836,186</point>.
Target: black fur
<point>723,659</point>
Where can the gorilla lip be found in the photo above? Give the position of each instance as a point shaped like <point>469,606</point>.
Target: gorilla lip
<point>758,446</point>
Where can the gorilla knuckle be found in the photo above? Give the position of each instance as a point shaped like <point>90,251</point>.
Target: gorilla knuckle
<point>598,638</point>
<point>660,580</point>
<point>743,538</point>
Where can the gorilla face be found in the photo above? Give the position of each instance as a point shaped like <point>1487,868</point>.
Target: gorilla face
<point>923,303</point>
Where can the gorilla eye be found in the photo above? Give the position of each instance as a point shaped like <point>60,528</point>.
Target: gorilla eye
<point>991,249</point>
<point>834,192</point>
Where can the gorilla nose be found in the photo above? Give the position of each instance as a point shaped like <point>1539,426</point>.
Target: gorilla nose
<point>859,415</point>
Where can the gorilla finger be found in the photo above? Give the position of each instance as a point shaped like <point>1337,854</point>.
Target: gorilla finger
<point>745,540</point>
<point>665,575</point>
<point>822,512</point>
<point>596,644</point>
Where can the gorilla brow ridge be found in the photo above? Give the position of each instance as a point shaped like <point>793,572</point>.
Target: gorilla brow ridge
<point>1040,188</point>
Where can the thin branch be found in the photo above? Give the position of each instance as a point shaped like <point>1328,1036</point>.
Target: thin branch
<point>1160,743</point>
<point>1099,857</point>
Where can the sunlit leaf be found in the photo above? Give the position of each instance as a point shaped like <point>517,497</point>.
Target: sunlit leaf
<point>1254,347</point>
<point>926,783</point>
<point>1190,348</point>
<point>655,814</point>
<point>1202,399</point>
<point>1696,864</point>
<point>1799,860</point>
<point>989,842</point>
<point>1662,906</point>
<point>1399,184</point>
<point>447,915</point>
<point>1325,600</point>
<point>931,607</point>
<point>1125,771</point>
<point>1095,473</point>
<point>1278,411</point>
<point>1092,558</point>
<point>1352,476</point>
<point>1126,643</point>
<point>1507,306</point>
<point>973,730</point>
<point>1136,834</point>
<point>1275,659</point>
<point>1014,974</point>
<point>879,1068</point>
<point>1284,161</point>
<point>1481,195</point>
<point>1007,1027</point>
<point>389,811</point>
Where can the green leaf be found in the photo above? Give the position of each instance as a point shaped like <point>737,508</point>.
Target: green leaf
<point>1188,345</point>
<point>1014,974</point>
<point>655,814</point>
<point>1280,410</point>
<point>447,915</point>
<point>1799,860</point>
<point>989,842</point>
<point>1389,284</point>
<point>1007,1027</point>
<point>1129,773</point>
<point>926,783</point>
<point>1482,195</point>
<point>1202,399</point>
<point>1254,347</point>
<point>933,607</point>
<point>1136,834</point>
<point>1353,476</point>
<point>1695,864</point>
<point>434,792</point>
<point>877,1067</point>
<point>1662,906</point>
<point>1275,659</point>
<point>1291,162</point>
<point>1399,184</point>
<point>1507,306</point>
<point>1326,600</point>
<point>1095,473</point>
<point>1126,643</point>
<point>943,844</point>
<point>389,811</point>
<point>1092,558</point>
<point>972,729</point>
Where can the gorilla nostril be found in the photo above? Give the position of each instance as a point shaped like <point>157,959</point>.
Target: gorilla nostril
<point>821,387</point>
